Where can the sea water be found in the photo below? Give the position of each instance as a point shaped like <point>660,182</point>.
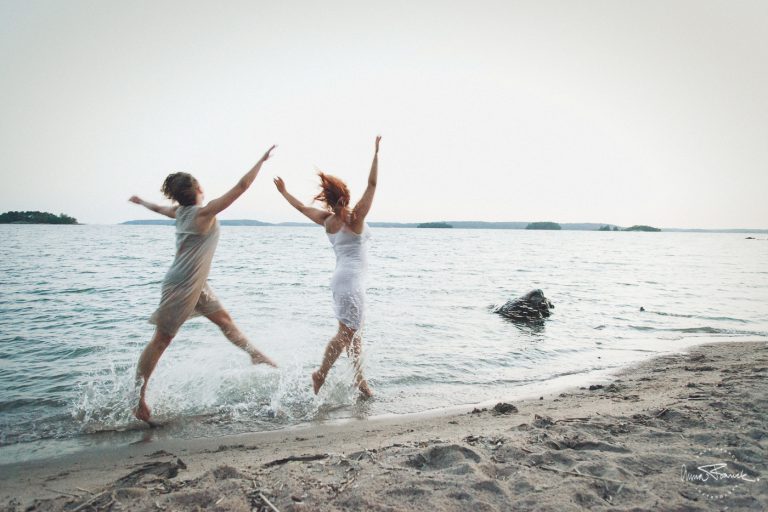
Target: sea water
<point>74,304</point>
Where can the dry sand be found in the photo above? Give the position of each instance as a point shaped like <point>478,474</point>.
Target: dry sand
<point>635,443</point>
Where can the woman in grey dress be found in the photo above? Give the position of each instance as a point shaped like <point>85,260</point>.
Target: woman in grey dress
<point>186,292</point>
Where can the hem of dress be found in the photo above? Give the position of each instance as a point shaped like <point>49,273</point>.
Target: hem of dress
<point>346,324</point>
<point>166,332</point>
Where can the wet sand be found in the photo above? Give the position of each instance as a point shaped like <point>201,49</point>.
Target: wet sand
<point>679,432</point>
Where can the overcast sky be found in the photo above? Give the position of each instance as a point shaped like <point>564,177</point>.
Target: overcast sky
<point>625,112</point>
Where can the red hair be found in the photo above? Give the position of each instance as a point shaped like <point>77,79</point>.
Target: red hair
<point>334,192</point>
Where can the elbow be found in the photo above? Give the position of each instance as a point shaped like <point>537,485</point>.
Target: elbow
<point>372,183</point>
<point>243,185</point>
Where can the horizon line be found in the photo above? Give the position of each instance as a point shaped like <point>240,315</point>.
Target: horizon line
<point>416,223</point>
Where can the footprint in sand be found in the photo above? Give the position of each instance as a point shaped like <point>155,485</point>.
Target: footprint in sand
<point>443,457</point>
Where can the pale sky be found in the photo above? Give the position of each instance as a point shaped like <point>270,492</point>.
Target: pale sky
<point>625,112</point>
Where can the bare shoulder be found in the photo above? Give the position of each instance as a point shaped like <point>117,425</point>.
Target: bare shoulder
<point>204,220</point>
<point>330,224</point>
<point>357,223</point>
<point>334,224</point>
<point>208,210</point>
<point>357,227</point>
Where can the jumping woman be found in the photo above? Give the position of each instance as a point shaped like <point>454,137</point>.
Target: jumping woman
<point>186,292</point>
<point>348,233</point>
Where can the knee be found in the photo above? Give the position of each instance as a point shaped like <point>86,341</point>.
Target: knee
<point>162,341</point>
<point>225,323</point>
<point>228,328</point>
<point>347,338</point>
<point>347,333</point>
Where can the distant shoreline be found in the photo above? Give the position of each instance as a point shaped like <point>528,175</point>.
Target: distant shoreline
<point>587,226</point>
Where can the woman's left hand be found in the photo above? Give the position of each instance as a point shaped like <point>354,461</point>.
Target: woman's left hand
<point>268,154</point>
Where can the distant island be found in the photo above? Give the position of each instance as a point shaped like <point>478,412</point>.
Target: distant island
<point>457,224</point>
<point>642,228</point>
<point>544,225</point>
<point>35,218</point>
<point>434,225</point>
<point>464,224</point>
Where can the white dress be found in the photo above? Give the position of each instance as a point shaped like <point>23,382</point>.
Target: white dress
<point>348,281</point>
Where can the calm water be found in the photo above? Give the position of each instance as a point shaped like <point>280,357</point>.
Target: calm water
<point>74,303</point>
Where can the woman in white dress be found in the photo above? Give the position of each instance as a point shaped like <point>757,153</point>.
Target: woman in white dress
<point>348,235</point>
<point>186,292</point>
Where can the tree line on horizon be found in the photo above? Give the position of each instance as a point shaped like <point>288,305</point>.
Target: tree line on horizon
<point>606,227</point>
<point>440,224</point>
<point>35,217</point>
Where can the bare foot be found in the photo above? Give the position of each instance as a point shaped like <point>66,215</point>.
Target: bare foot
<point>317,381</point>
<point>365,391</point>
<point>259,358</point>
<point>142,411</point>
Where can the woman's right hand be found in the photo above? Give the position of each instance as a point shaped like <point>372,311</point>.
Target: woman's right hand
<point>135,199</point>
<point>280,184</point>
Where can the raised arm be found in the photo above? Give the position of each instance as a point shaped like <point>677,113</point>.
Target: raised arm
<point>363,206</point>
<point>223,202</point>
<point>168,211</point>
<point>316,215</point>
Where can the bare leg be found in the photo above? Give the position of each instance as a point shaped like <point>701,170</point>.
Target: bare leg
<point>147,362</point>
<point>233,334</point>
<point>357,350</point>
<point>337,344</point>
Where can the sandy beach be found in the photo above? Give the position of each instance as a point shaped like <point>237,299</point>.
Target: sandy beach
<point>679,432</point>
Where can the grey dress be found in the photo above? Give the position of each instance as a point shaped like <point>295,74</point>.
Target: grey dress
<point>186,292</point>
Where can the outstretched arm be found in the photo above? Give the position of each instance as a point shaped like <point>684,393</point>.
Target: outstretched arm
<point>221,203</point>
<point>168,211</point>
<point>316,215</point>
<point>364,205</point>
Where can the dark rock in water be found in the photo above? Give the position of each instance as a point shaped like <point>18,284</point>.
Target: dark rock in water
<point>642,308</point>
<point>530,307</point>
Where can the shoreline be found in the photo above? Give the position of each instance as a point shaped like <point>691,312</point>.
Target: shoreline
<point>621,444</point>
<point>158,435</point>
<point>94,443</point>
<point>74,447</point>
